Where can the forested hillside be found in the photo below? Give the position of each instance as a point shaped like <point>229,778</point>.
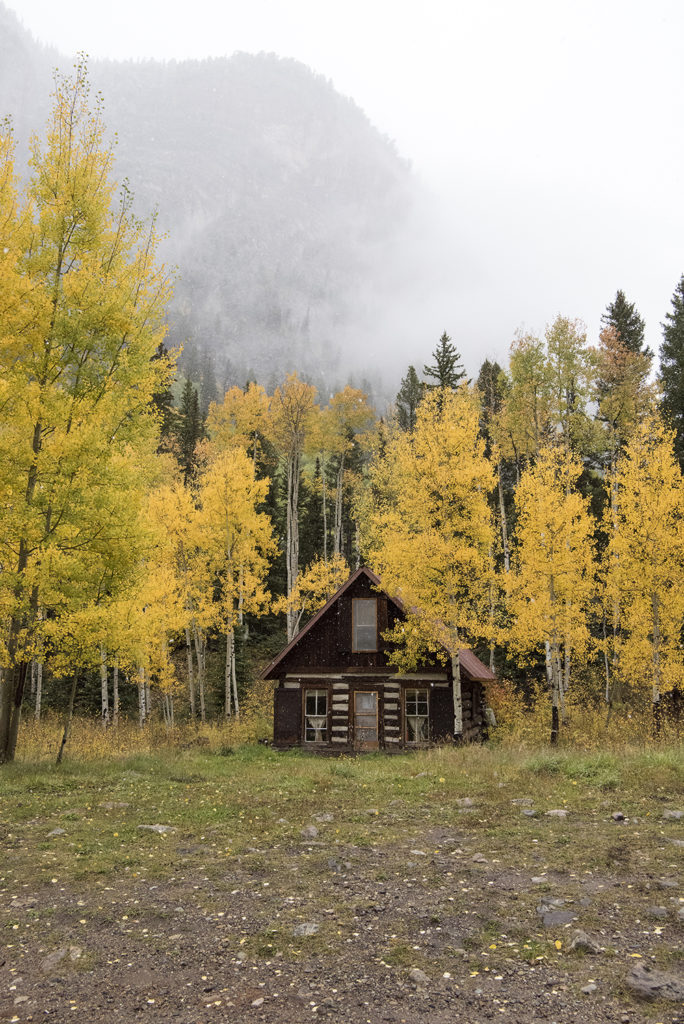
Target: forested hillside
<point>279,203</point>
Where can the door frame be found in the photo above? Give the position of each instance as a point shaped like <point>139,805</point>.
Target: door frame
<point>379,711</point>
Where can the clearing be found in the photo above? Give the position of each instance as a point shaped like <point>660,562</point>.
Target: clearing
<point>283,887</point>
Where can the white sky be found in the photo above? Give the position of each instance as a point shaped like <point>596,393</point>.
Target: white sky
<point>550,131</point>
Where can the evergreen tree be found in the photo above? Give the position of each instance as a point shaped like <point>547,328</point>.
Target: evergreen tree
<point>448,370</point>
<point>190,427</point>
<point>623,316</point>
<point>491,387</point>
<point>408,399</point>
<point>672,368</point>
<point>162,401</point>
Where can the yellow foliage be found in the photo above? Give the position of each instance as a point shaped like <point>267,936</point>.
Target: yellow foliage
<point>552,578</point>
<point>313,588</point>
<point>428,527</point>
<point>645,560</point>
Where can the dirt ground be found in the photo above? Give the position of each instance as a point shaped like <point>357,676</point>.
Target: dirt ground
<point>438,927</point>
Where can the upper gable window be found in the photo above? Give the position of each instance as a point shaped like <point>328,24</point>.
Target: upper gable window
<point>364,624</point>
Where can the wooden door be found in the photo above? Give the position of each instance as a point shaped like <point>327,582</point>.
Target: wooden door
<point>366,720</point>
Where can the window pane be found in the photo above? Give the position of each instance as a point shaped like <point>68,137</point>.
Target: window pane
<point>417,716</point>
<point>364,617</point>
<point>316,716</point>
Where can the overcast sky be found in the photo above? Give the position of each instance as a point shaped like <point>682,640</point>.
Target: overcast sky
<point>550,132</point>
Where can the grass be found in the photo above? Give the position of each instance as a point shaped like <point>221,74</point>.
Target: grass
<point>392,872</point>
<point>261,798</point>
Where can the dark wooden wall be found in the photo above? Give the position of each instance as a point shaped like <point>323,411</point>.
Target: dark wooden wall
<point>328,644</point>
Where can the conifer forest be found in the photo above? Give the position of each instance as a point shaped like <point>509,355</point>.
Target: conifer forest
<point>158,548</point>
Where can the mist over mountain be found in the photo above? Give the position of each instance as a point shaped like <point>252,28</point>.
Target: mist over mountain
<point>290,218</point>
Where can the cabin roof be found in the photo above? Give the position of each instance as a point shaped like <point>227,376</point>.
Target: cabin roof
<point>470,663</point>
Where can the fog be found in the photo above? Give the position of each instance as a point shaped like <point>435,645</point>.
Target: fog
<point>544,144</point>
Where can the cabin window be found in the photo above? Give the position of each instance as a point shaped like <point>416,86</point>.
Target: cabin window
<point>364,624</point>
<point>316,716</point>
<point>416,716</point>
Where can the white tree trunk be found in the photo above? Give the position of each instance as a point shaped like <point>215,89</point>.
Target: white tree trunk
<point>142,710</point>
<point>234,679</point>
<point>200,650</point>
<point>325,513</point>
<point>458,695</point>
<point>115,693</point>
<point>338,508</point>
<point>39,690</point>
<point>104,688</point>
<point>228,675</point>
<point>191,672</point>
<point>292,541</point>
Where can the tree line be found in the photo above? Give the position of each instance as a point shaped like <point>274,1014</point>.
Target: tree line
<point>162,556</point>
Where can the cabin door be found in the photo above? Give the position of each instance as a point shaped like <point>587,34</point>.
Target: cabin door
<point>366,720</point>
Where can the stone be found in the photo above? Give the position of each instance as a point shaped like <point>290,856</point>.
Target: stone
<point>648,983</point>
<point>529,812</point>
<point>659,912</point>
<point>159,829</point>
<point>464,801</point>
<point>590,988</point>
<point>677,842</point>
<point>53,959</point>
<point>479,858</point>
<point>521,801</point>
<point>551,916</point>
<point>323,817</point>
<point>418,977</point>
<point>303,931</point>
<point>419,853</point>
<point>617,816</point>
<point>557,812</point>
<point>310,832</point>
<point>256,1003</point>
<point>75,952</point>
<point>583,943</point>
<point>57,832</point>
<point>539,879</point>
<point>673,815</point>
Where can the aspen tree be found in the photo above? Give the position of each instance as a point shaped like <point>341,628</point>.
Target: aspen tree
<point>645,556</point>
<point>552,577</point>
<point>291,415</point>
<point>237,543</point>
<point>623,397</point>
<point>429,530</point>
<point>80,321</point>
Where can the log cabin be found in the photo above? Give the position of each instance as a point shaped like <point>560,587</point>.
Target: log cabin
<point>337,692</point>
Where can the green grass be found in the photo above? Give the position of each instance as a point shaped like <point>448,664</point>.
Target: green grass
<point>261,798</point>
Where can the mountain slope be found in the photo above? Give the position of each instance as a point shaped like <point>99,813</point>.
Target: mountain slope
<point>280,202</point>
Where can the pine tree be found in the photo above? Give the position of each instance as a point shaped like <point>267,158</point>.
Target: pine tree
<point>672,368</point>
<point>448,370</point>
<point>623,316</point>
<point>190,428</point>
<point>408,399</point>
<point>162,400</point>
